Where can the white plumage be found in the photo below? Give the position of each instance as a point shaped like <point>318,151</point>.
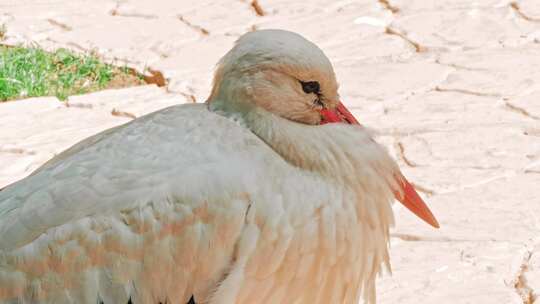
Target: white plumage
<point>245,199</point>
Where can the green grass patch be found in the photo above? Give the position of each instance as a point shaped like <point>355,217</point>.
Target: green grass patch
<point>32,72</point>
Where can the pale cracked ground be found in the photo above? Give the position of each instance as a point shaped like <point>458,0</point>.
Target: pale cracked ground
<point>453,86</point>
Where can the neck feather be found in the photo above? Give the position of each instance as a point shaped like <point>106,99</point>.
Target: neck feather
<point>345,155</point>
<point>348,158</point>
<point>343,152</point>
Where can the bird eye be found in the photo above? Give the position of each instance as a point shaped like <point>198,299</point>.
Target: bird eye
<point>311,87</point>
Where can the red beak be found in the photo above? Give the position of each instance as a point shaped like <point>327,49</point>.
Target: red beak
<point>407,196</point>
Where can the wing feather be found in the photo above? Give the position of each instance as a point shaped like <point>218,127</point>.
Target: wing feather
<point>131,213</point>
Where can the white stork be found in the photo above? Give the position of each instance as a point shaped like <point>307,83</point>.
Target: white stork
<point>249,198</point>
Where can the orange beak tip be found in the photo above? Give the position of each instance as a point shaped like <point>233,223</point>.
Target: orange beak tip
<point>412,201</point>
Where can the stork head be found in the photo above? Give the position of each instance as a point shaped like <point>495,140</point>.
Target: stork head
<point>289,76</point>
<point>281,72</point>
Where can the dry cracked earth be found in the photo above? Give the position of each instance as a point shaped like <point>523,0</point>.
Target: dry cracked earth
<point>452,86</point>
